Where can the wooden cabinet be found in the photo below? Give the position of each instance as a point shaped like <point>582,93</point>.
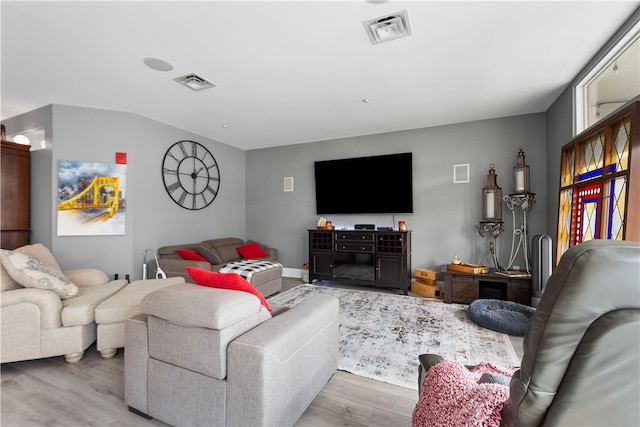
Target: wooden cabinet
<point>361,257</point>
<point>464,288</point>
<point>320,255</point>
<point>15,204</point>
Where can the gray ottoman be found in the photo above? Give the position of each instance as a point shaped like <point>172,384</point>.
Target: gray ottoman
<point>112,313</point>
<point>265,276</point>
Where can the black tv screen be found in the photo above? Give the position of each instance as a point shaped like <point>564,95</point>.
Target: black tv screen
<point>365,185</point>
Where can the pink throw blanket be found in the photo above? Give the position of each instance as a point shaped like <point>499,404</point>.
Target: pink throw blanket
<point>452,396</point>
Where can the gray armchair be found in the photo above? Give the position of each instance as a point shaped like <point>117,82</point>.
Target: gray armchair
<point>200,356</point>
<point>581,363</point>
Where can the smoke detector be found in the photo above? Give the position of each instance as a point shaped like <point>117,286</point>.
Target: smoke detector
<point>194,82</point>
<point>389,27</point>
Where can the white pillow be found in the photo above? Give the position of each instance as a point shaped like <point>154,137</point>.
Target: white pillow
<point>31,273</point>
<point>41,253</point>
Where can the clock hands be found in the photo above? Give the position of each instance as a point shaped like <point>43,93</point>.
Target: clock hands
<point>193,174</point>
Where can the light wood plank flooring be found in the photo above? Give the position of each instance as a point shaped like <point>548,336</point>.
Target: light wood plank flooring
<point>51,392</point>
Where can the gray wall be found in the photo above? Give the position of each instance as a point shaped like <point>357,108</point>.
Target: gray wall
<point>252,203</point>
<point>559,133</point>
<point>152,218</point>
<point>445,213</point>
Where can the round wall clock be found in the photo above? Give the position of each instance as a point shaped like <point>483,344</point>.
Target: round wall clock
<point>191,175</point>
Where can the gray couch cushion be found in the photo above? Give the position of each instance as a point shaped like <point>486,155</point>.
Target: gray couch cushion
<point>208,307</point>
<point>225,241</point>
<point>214,318</point>
<point>210,254</point>
<point>229,253</point>
<point>126,303</point>
<point>170,251</point>
<point>80,310</point>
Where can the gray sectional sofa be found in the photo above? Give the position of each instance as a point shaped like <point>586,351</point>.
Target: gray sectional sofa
<point>220,252</point>
<point>200,356</point>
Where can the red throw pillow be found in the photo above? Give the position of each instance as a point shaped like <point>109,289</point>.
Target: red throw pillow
<point>191,255</point>
<point>251,251</point>
<point>231,281</point>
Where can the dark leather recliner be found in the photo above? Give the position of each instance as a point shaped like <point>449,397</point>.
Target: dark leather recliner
<point>581,362</point>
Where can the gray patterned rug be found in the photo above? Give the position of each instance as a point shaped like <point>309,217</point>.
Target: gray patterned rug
<point>381,335</point>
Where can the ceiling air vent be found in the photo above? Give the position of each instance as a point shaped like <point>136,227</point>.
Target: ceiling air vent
<point>194,82</point>
<point>390,27</point>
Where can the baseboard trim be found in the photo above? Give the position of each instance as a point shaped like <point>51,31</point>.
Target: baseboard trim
<point>292,272</point>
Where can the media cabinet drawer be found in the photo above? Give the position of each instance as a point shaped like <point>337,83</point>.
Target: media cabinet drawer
<point>354,247</point>
<point>354,236</point>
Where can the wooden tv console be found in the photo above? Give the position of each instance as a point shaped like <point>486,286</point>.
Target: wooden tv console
<point>361,257</point>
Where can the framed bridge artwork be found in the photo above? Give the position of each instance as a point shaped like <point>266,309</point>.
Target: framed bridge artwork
<point>91,198</point>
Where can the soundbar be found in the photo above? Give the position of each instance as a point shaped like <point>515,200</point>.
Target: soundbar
<point>365,226</point>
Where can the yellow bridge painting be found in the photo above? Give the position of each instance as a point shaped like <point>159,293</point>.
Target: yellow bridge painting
<point>101,193</point>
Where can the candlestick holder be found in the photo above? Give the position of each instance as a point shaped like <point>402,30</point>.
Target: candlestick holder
<point>525,202</point>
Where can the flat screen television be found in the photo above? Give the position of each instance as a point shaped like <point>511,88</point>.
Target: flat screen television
<point>365,185</point>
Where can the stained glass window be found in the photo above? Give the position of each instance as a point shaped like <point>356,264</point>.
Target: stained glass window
<point>614,202</point>
<point>594,183</point>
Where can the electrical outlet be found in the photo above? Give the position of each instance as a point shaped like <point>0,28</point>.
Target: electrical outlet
<point>516,267</point>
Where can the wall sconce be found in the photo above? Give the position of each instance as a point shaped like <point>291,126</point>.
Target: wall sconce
<point>520,175</point>
<point>491,198</point>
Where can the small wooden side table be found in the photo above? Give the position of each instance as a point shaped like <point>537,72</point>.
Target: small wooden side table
<point>464,288</point>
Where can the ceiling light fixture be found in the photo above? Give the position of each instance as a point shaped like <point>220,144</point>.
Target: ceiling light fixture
<point>389,27</point>
<point>157,64</point>
<point>194,82</point>
<point>22,139</point>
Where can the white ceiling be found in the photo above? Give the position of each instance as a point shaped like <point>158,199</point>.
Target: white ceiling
<point>297,71</point>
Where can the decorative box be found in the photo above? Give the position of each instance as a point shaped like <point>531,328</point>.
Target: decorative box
<point>426,274</point>
<point>469,268</point>
<point>426,290</point>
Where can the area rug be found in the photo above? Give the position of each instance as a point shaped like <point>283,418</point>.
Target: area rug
<point>382,335</point>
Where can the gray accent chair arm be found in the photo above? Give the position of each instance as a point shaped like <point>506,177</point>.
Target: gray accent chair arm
<point>298,346</point>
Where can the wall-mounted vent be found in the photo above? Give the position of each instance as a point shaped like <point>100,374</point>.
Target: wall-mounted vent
<point>389,27</point>
<point>194,82</point>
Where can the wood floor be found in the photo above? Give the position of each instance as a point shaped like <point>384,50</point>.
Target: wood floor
<point>51,392</point>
